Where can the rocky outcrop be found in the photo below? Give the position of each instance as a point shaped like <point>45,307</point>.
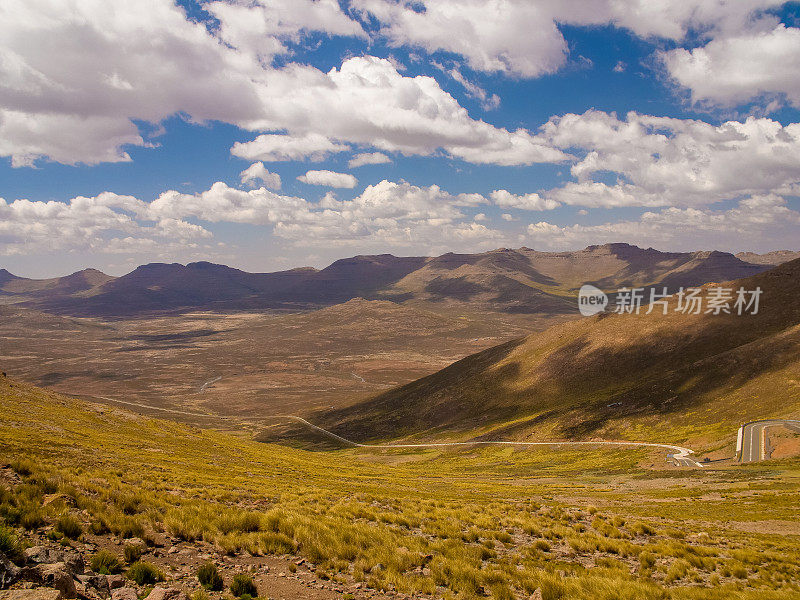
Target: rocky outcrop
<point>9,572</point>
<point>55,575</point>
<point>45,555</point>
<point>35,594</point>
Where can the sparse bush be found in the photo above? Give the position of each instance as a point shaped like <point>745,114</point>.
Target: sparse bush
<point>9,542</point>
<point>640,528</point>
<point>22,466</point>
<point>542,545</point>
<point>209,577</point>
<point>69,527</point>
<point>647,560</point>
<point>243,585</point>
<point>105,563</point>
<point>739,572</point>
<point>99,527</point>
<point>276,543</point>
<point>31,517</point>
<point>126,526</point>
<point>133,552</point>
<point>144,573</point>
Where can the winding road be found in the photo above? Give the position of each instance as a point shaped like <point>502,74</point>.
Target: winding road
<point>681,456</point>
<point>752,442</point>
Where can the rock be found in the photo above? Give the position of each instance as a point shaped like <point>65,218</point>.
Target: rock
<point>44,555</point>
<point>36,594</point>
<point>173,550</point>
<point>160,593</point>
<point>9,572</point>
<point>124,593</point>
<point>51,498</point>
<point>115,581</point>
<point>134,541</point>
<point>58,576</point>
<point>97,584</point>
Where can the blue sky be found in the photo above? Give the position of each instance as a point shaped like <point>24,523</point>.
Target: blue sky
<point>125,129</point>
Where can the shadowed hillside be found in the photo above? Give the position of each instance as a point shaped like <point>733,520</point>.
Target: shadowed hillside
<point>610,375</point>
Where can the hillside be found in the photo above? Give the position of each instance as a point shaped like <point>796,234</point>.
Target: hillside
<point>679,376</point>
<point>509,281</point>
<point>78,478</point>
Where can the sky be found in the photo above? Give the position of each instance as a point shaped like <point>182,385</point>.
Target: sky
<point>272,134</point>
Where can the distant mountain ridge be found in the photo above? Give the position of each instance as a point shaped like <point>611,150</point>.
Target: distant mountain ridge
<point>506,280</point>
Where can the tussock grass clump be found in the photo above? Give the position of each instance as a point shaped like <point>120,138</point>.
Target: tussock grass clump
<point>209,577</point>
<point>542,545</point>
<point>647,560</point>
<point>105,563</point>
<point>31,517</point>
<point>69,527</point>
<point>276,543</point>
<point>9,543</point>
<point>125,526</point>
<point>132,553</point>
<point>243,585</point>
<point>640,528</point>
<point>144,573</point>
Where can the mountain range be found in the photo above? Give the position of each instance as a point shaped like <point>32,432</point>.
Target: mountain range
<point>504,280</point>
<point>611,376</point>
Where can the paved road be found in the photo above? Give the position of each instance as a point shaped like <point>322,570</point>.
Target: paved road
<point>752,444</point>
<point>681,456</point>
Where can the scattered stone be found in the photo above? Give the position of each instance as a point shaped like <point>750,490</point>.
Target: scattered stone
<point>124,593</point>
<point>160,593</point>
<point>35,594</point>
<point>173,550</point>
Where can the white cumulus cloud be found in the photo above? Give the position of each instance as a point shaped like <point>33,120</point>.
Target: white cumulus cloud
<point>730,70</point>
<point>680,162</point>
<point>368,158</point>
<point>329,179</point>
<point>505,199</point>
<point>258,172</point>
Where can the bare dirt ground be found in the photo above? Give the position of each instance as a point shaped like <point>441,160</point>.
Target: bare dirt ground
<point>249,364</point>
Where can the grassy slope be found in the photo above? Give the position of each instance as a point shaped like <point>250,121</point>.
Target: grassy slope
<point>662,378</point>
<point>496,522</point>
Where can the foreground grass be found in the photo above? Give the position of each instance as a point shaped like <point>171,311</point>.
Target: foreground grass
<point>474,523</point>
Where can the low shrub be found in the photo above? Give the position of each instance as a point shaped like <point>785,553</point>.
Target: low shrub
<point>243,585</point>
<point>144,573</point>
<point>647,560</point>
<point>31,518</point>
<point>133,552</point>
<point>9,543</point>
<point>69,527</point>
<point>542,545</point>
<point>105,563</point>
<point>209,577</point>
